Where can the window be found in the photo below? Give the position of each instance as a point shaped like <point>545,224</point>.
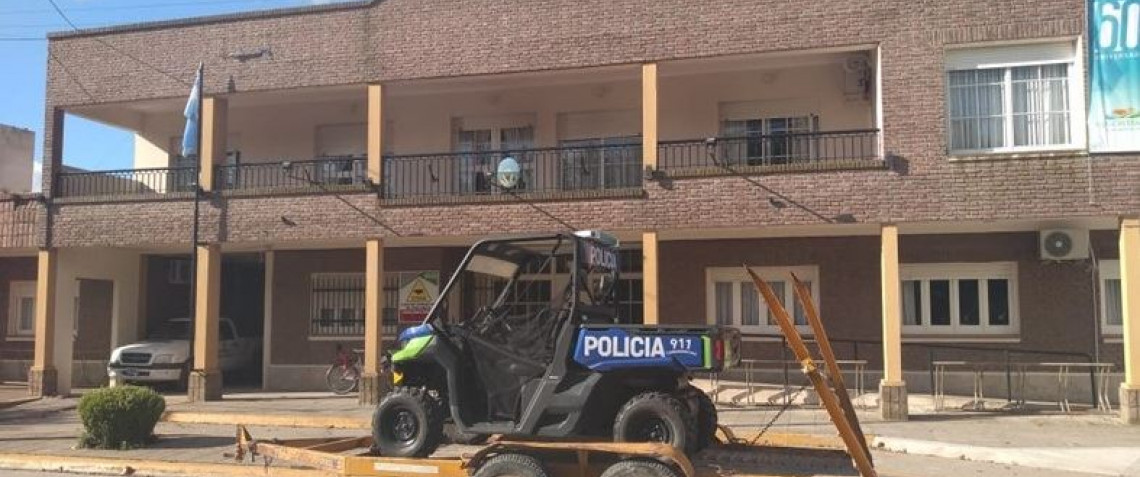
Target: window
<point>1021,97</point>
<point>22,309</point>
<point>734,301</point>
<point>484,141</point>
<point>601,163</point>
<point>1111,298</point>
<point>773,140</point>
<point>959,298</point>
<point>337,304</point>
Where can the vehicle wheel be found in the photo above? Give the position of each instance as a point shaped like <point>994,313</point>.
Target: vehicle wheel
<point>706,419</point>
<point>341,379</point>
<point>407,423</point>
<point>656,417</point>
<point>455,436</point>
<point>639,468</point>
<point>511,465</point>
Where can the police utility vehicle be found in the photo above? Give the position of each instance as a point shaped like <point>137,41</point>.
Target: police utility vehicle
<point>528,339</point>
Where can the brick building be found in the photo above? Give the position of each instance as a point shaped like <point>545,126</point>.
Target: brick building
<point>908,160</point>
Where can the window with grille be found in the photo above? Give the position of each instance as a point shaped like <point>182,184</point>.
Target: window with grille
<point>775,140</point>
<point>337,304</point>
<point>966,298</point>
<point>1111,298</point>
<point>601,163</point>
<point>734,301</point>
<point>1014,98</point>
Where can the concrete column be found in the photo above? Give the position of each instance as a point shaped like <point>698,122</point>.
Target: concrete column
<point>892,389</point>
<point>649,283</point>
<point>213,148</point>
<point>649,115</point>
<point>206,377</point>
<point>1130,288</point>
<point>43,379</point>
<point>376,133</point>
<point>373,383</point>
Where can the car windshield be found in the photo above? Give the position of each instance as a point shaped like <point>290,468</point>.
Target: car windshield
<point>173,330</point>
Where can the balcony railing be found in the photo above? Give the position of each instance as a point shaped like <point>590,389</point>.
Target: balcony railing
<point>126,183</point>
<point>560,170</point>
<point>334,173</point>
<point>826,150</point>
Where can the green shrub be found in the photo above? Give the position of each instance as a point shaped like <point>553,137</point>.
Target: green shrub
<point>119,418</point>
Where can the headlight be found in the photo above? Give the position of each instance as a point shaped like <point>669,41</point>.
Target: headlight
<point>163,358</point>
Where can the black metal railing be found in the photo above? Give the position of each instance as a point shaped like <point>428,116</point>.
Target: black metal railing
<point>806,151</point>
<point>124,183</point>
<point>328,172</point>
<point>543,170</point>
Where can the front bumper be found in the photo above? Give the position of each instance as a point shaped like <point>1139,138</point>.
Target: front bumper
<point>151,373</point>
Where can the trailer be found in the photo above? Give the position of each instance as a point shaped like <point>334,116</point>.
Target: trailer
<point>352,457</point>
<point>535,457</point>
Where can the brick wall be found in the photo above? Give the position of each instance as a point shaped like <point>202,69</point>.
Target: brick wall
<point>409,39</point>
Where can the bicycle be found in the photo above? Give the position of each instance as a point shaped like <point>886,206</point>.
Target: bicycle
<point>343,376</point>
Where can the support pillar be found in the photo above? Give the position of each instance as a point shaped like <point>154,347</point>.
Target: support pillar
<point>376,133</point>
<point>373,383</point>
<point>206,377</point>
<point>213,147</point>
<point>892,389</point>
<point>649,279</point>
<point>43,379</point>
<point>649,116</point>
<point>1130,291</point>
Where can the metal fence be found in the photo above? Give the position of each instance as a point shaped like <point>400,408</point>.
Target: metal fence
<point>560,169</point>
<point>331,172</point>
<point>817,150</point>
<point>126,182</point>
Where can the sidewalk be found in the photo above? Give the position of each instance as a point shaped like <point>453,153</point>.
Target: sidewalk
<point>980,443</point>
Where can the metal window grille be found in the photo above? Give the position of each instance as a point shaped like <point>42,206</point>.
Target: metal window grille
<point>337,304</point>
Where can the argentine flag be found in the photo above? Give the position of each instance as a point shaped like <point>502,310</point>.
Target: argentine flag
<point>193,120</point>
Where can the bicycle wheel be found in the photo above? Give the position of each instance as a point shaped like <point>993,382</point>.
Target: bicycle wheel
<point>342,379</point>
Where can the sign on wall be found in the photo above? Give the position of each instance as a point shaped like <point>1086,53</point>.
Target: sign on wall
<point>1114,92</point>
<point>418,291</point>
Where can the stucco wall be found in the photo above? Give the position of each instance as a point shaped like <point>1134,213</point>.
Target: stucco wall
<point>16,148</point>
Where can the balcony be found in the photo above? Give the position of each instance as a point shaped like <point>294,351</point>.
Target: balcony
<point>770,153</point>
<point>557,172</point>
<point>126,184</point>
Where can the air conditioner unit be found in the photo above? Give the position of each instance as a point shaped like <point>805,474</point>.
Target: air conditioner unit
<point>1064,244</point>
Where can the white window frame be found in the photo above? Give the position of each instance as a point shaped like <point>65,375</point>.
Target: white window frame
<point>953,272</point>
<point>739,278</point>
<point>1108,270</point>
<point>17,292</point>
<point>1076,85</point>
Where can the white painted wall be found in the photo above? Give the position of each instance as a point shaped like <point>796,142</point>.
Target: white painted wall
<point>691,107</point>
<point>16,149</point>
<point>120,266</point>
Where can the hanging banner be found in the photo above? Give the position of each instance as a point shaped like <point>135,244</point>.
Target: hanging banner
<point>418,291</point>
<point>1114,92</point>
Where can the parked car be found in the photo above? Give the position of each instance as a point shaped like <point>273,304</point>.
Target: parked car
<point>165,356</point>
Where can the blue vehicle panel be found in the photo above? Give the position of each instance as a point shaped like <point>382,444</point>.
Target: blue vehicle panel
<point>607,349</point>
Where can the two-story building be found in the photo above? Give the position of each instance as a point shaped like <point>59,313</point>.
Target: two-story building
<point>923,167</point>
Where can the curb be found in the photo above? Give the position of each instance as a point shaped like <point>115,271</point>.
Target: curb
<point>268,420</point>
<point>1089,460</point>
<point>141,467</point>
<point>16,402</point>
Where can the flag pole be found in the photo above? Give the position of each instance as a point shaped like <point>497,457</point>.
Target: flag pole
<point>194,227</point>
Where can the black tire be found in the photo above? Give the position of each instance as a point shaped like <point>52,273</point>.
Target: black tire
<point>639,468</point>
<point>341,380</point>
<point>512,465</point>
<point>407,423</point>
<point>656,417</point>
<point>706,419</point>
<point>455,436</point>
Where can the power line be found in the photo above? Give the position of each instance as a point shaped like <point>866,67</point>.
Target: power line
<point>22,38</point>
<point>112,47</point>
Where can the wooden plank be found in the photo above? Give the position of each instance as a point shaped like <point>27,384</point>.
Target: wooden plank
<point>826,395</point>
<point>803,295</point>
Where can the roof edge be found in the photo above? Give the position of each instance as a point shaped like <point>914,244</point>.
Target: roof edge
<point>225,17</point>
